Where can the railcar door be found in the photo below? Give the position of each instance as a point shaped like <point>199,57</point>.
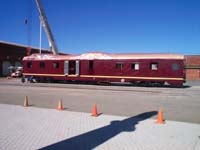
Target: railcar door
<point>91,67</point>
<point>71,67</point>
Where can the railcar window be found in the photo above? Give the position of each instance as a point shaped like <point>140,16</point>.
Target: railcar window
<point>175,67</point>
<point>42,64</point>
<point>135,66</point>
<point>55,65</point>
<point>119,65</point>
<point>154,66</point>
<point>29,65</point>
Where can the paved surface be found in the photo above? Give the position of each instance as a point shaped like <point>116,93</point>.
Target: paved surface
<point>25,128</point>
<point>179,104</point>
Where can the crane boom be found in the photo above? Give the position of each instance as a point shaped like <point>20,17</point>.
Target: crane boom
<point>47,29</point>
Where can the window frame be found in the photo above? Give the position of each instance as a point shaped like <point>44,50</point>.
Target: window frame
<point>56,64</point>
<point>42,64</point>
<point>119,65</point>
<point>154,66</point>
<point>175,66</point>
<point>29,64</point>
<point>134,64</point>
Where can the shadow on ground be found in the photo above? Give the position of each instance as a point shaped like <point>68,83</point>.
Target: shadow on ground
<point>94,138</point>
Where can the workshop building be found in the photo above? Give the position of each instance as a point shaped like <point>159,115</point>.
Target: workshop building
<point>12,54</point>
<point>192,67</point>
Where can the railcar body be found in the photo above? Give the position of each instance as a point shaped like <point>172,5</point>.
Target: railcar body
<point>102,67</point>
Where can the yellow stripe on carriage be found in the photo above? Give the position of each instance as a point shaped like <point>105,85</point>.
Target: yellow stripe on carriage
<point>130,77</point>
<point>99,76</point>
<point>37,74</point>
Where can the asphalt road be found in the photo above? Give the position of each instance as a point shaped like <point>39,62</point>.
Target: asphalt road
<point>179,104</point>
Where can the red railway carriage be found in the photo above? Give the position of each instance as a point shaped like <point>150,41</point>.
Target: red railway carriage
<point>102,67</point>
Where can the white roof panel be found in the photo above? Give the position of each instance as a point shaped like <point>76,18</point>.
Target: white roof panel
<point>102,56</point>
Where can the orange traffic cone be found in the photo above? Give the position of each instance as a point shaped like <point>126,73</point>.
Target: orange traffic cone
<point>60,106</point>
<point>94,111</point>
<point>26,102</point>
<point>160,119</point>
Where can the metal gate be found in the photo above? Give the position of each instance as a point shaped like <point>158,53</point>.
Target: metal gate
<point>5,69</point>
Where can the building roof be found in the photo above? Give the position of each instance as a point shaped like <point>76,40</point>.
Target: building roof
<point>19,45</point>
<point>19,48</point>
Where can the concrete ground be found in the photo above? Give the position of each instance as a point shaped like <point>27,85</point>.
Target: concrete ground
<point>128,119</point>
<point>23,128</point>
<point>179,104</point>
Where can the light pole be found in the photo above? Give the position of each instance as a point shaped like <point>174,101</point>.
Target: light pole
<point>40,37</point>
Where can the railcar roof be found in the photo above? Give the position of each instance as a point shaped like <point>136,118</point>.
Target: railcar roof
<point>103,56</point>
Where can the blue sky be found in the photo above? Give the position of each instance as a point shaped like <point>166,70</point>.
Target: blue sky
<point>113,26</point>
